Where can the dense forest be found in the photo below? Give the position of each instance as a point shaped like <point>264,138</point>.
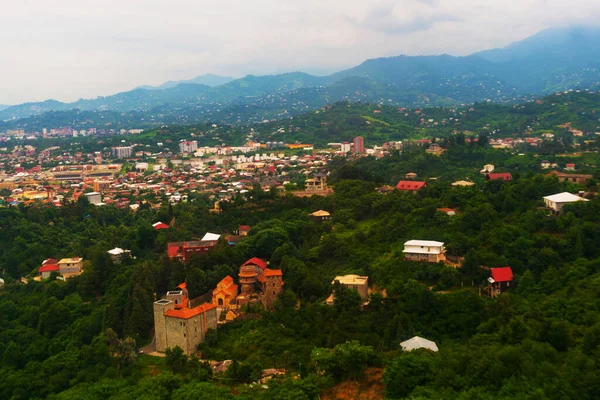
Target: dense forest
<point>79,338</point>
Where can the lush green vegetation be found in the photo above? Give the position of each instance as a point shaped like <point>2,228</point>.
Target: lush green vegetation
<point>70,339</point>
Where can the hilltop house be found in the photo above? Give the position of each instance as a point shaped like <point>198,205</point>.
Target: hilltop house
<point>410,186</point>
<point>356,282</point>
<point>70,266</point>
<point>575,178</point>
<point>320,215</point>
<point>118,254</point>
<point>424,250</point>
<point>499,280</point>
<point>499,176</point>
<point>557,201</point>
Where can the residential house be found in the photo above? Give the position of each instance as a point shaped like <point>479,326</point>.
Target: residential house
<point>557,201</point>
<point>243,230</point>
<point>570,167</point>
<point>411,186</point>
<point>545,164</point>
<point>70,266</point>
<point>499,280</point>
<point>160,225</point>
<point>487,169</point>
<point>462,183</point>
<point>356,282</point>
<point>410,175</point>
<point>46,270</point>
<point>424,250</point>
<point>118,254</point>
<point>320,215</point>
<point>580,179</point>
<point>502,176</point>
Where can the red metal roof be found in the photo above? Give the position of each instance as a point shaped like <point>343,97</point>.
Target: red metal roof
<point>410,185</point>
<point>256,261</point>
<point>160,225</point>
<point>505,176</point>
<point>502,274</point>
<point>49,268</point>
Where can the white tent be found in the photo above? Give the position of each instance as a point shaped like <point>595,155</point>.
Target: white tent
<point>418,342</point>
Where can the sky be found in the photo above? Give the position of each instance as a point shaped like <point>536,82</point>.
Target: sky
<point>71,49</point>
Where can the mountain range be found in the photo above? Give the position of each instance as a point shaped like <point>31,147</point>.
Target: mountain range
<point>552,60</point>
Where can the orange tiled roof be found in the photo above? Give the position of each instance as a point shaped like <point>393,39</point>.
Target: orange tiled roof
<point>272,272</point>
<point>187,313</point>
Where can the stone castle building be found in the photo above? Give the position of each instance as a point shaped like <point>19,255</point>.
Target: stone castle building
<point>176,324</point>
<point>259,283</point>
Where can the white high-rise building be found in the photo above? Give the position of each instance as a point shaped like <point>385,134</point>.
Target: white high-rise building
<point>122,151</point>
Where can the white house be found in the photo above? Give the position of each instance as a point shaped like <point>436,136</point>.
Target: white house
<point>118,254</point>
<point>418,342</point>
<point>424,250</point>
<point>557,201</point>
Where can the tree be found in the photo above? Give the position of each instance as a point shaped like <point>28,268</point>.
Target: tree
<point>407,372</point>
<point>176,360</point>
<point>346,360</point>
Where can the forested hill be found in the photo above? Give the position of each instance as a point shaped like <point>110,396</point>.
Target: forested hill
<point>538,340</point>
<point>554,60</point>
<point>378,124</point>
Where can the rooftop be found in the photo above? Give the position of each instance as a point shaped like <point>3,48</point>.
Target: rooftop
<point>351,279</point>
<point>564,197</point>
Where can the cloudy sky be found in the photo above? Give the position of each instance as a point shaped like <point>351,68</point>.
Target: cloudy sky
<point>68,49</point>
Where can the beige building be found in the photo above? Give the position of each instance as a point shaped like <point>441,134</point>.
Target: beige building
<point>424,250</point>
<point>69,267</point>
<point>356,282</point>
<point>317,183</point>
<point>175,324</point>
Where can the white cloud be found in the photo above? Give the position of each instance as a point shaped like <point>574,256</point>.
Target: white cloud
<point>66,49</point>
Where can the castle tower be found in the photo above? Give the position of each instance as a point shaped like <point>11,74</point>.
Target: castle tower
<point>160,325</point>
<point>248,277</point>
<point>272,286</point>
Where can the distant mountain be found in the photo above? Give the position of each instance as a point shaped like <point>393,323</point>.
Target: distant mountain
<point>3,106</point>
<point>206,79</point>
<point>575,45</point>
<point>550,61</point>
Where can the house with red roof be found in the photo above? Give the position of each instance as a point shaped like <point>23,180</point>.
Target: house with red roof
<point>411,186</point>
<point>499,280</point>
<point>47,269</point>
<point>160,225</point>
<point>503,176</point>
